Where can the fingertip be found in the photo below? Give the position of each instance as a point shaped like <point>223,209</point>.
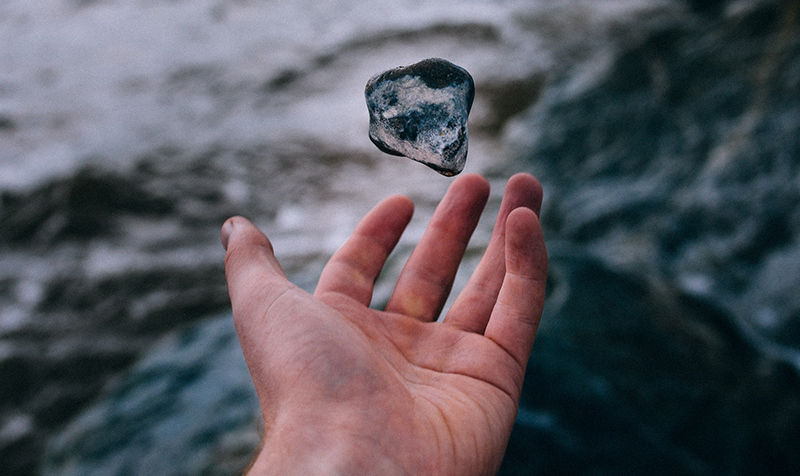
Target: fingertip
<point>526,252</point>
<point>225,232</point>
<point>242,239</point>
<point>401,205</point>
<point>473,182</point>
<point>389,217</point>
<point>523,220</point>
<point>526,178</point>
<point>250,263</point>
<point>527,186</point>
<point>466,196</point>
<point>236,225</point>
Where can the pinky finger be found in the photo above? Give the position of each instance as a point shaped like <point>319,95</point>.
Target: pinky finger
<point>516,314</point>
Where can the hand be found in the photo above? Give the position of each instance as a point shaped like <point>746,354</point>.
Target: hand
<point>349,390</point>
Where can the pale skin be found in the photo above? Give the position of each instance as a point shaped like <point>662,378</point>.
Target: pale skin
<point>349,390</point>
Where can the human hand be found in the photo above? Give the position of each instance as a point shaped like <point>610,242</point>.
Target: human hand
<point>349,390</point>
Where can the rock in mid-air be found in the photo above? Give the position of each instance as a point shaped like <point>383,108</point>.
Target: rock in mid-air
<point>420,111</point>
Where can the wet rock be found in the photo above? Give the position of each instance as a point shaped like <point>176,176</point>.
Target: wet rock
<point>80,207</point>
<point>632,376</point>
<point>7,124</point>
<point>420,112</point>
<point>701,188</point>
<point>188,408</point>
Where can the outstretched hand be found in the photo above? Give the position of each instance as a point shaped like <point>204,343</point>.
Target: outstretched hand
<point>349,390</point>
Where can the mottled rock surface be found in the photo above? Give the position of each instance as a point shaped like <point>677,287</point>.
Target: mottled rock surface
<point>420,111</point>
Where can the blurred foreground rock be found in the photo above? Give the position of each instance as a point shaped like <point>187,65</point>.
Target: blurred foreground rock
<point>631,377</point>
<point>681,160</point>
<point>189,408</point>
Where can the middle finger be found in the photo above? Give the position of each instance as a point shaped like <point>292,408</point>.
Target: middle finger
<point>426,279</point>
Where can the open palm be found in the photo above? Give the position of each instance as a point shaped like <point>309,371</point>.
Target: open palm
<point>346,389</point>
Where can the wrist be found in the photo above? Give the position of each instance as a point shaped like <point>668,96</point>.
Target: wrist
<point>302,448</point>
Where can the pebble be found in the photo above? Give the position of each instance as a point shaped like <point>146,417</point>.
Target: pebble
<point>420,111</point>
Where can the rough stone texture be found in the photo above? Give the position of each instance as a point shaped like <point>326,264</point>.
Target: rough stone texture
<point>421,111</point>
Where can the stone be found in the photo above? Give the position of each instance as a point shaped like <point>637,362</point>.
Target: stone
<point>420,111</point>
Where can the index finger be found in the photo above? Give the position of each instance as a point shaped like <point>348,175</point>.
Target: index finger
<point>353,269</point>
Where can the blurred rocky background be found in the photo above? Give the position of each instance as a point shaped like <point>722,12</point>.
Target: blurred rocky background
<point>666,134</point>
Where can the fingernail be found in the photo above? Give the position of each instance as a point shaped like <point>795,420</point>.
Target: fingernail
<point>227,229</point>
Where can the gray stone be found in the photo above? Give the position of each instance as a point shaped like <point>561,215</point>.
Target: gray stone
<point>420,112</point>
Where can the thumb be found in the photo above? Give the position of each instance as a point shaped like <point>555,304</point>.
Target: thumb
<point>255,279</point>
